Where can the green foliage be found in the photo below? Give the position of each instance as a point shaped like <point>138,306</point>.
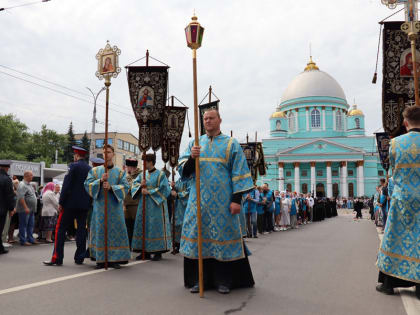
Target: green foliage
<point>85,142</point>
<point>71,141</point>
<point>16,143</point>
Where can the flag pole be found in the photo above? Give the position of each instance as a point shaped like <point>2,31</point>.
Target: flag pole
<point>107,85</point>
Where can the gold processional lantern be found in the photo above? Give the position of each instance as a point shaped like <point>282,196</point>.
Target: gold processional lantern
<point>194,33</point>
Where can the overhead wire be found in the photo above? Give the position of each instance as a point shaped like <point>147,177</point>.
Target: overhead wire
<point>23,5</point>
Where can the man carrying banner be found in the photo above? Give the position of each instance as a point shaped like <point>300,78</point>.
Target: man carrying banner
<point>115,185</point>
<point>399,254</point>
<point>225,177</point>
<point>158,230</point>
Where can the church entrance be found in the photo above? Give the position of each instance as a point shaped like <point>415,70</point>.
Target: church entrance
<point>320,191</point>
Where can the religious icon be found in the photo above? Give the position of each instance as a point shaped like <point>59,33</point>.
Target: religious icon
<point>172,122</point>
<point>278,125</point>
<point>406,63</point>
<point>146,95</point>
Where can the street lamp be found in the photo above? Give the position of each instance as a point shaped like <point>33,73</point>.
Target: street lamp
<point>95,98</point>
<point>411,27</point>
<point>194,35</point>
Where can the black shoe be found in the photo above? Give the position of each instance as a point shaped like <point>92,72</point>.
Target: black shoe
<point>146,256</point>
<point>115,265</point>
<point>195,289</point>
<point>78,262</point>
<point>100,266</point>
<point>381,288</point>
<point>4,251</point>
<point>418,291</point>
<point>157,257</point>
<point>255,236</point>
<point>51,263</point>
<point>223,289</point>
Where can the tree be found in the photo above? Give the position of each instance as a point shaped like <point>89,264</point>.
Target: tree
<point>71,141</point>
<point>14,138</point>
<point>44,145</point>
<point>85,143</point>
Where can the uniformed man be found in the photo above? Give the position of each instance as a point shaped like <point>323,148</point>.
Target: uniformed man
<point>7,198</point>
<point>130,204</point>
<point>74,204</point>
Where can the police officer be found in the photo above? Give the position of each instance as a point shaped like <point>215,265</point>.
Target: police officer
<point>74,204</point>
<point>7,198</point>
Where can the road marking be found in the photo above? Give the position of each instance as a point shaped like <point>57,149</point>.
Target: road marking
<point>408,295</point>
<point>60,279</point>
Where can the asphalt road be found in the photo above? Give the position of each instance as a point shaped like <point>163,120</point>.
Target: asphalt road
<point>322,268</point>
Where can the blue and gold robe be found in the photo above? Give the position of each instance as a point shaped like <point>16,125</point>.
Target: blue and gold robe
<point>182,188</point>
<point>399,254</point>
<point>223,172</point>
<point>158,229</point>
<point>118,246</point>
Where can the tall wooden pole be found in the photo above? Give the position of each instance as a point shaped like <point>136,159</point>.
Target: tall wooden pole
<point>197,179</point>
<point>412,37</point>
<point>173,199</point>
<point>107,84</point>
<point>210,91</point>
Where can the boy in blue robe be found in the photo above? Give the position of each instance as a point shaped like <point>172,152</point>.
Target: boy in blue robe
<point>250,208</point>
<point>156,190</point>
<point>268,205</point>
<point>116,186</point>
<point>399,255</point>
<point>224,178</point>
<point>180,192</point>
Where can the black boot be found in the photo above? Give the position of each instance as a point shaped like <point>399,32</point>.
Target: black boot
<point>157,257</point>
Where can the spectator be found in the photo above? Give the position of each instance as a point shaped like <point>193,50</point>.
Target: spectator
<point>26,208</point>
<point>293,211</point>
<point>49,210</point>
<point>285,212</point>
<point>7,198</point>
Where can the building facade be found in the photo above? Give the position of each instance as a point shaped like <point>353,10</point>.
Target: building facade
<point>317,142</point>
<point>125,145</point>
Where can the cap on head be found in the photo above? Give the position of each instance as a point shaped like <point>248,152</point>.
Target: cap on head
<point>131,162</point>
<point>5,163</point>
<point>97,161</point>
<point>79,151</point>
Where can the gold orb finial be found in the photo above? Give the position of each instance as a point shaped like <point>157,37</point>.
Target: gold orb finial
<point>355,111</point>
<point>311,65</point>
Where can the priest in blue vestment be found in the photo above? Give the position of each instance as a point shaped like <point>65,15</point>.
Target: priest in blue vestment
<point>156,190</point>
<point>399,253</point>
<point>116,186</point>
<point>224,178</point>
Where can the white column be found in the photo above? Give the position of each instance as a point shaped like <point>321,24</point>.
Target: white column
<point>334,113</point>
<point>360,179</point>
<point>281,176</point>
<point>323,118</point>
<point>329,181</point>
<point>307,119</point>
<point>297,121</point>
<point>313,183</point>
<point>297,178</point>
<point>344,187</point>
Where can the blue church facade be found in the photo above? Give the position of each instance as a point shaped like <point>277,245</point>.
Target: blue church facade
<point>317,142</point>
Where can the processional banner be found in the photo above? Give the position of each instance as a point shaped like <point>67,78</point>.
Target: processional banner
<point>398,79</point>
<point>255,158</point>
<point>382,141</point>
<point>173,122</point>
<point>203,108</point>
<point>148,93</point>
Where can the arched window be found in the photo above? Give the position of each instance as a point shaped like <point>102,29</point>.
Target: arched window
<point>357,121</point>
<point>351,190</point>
<point>335,190</point>
<point>304,188</point>
<point>315,118</point>
<point>289,187</point>
<point>339,120</point>
<point>278,125</point>
<point>291,119</point>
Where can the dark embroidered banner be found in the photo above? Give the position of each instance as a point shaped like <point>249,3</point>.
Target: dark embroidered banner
<point>382,141</point>
<point>173,122</point>
<point>148,92</point>
<point>255,158</point>
<point>204,107</point>
<point>398,80</point>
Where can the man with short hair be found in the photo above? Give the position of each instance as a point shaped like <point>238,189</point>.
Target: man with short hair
<point>26,209</point>
<point>225,177</point>
<point>399,255</point>
<point>7,198</point>
<point>156,190</point>
<point>74,204</point>
<point>114,184</point>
